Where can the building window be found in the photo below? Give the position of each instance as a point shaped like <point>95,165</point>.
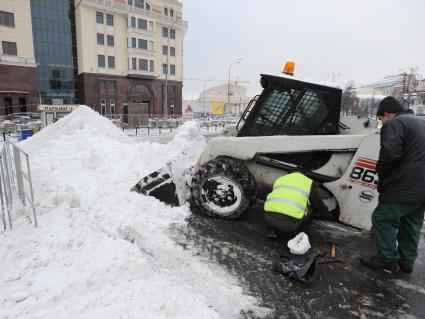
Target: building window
<point>172,51</point>
<point>164,50</point>
<point>99,17</point>
<point>152,69</point>
<point>101,61</point>
<point>142,24</point>
<point>134,64</point>
<point>164,68</point>
<point>138,3</point>
<point>112,86</point>
<point>110,40</point>
<point>166,11</point>
<point>148,7</point>
<point>130,2</point>
<point>143,64</point>
<point>165,32</point>
<point>109,19</point>
<point>111,62</point>
<point>133,42</point>
<point>8,105</point>
<point>133,22</point>
<point>9,48</point>
<point>7,19</point>
<point>102,107</point>
<point>143,44</point>
<point>172,33</point>
<point>112,105</point>
<point>100,39</point>
<point>102,86</point>
<point>171,13</point>
<point>172,69</point>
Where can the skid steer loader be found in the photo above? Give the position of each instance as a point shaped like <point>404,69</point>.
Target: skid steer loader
<point>294,125</point>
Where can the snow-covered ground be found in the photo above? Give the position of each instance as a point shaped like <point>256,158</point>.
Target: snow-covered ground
<point>101,251</point>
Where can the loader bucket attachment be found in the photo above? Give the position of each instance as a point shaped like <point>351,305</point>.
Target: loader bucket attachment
<point>159,184</point>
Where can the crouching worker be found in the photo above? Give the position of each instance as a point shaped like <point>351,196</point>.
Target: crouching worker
<point>287,207</point>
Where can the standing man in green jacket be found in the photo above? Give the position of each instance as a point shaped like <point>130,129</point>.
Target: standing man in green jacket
<point>398,218</point>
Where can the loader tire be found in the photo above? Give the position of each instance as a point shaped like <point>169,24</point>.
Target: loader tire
<point>223,188</point>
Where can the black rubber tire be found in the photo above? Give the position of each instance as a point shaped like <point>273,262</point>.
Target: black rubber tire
<point>318,196</point>
<point>206,201</point>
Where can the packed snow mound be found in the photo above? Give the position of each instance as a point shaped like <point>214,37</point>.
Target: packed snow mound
<point>81,122</point>
<point>101,251</point>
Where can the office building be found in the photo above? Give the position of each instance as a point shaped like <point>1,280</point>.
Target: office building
<point>111,55</point>
<point>53,29</point>
<point>122,55</point>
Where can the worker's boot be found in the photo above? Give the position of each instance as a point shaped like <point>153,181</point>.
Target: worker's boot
<point>375,264</point>
<point>272,235</point>
<point>407,268</point>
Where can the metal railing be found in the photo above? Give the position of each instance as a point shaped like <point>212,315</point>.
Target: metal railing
<point>15,179</point>
<point>136,124</point>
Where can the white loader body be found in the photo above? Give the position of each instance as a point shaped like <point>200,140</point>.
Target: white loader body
<point>352,166</point>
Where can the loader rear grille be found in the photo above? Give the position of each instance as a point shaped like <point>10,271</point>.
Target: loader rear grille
<point>291,112</point>
<point>290,107</point>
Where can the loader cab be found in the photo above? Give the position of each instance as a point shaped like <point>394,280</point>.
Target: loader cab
<point>290,106</point>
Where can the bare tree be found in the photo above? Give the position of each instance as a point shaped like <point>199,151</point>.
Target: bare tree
<point>408,86</point>
<point>349,101</point>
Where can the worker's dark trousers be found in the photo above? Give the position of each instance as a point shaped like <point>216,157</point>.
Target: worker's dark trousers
<point>398,223</point>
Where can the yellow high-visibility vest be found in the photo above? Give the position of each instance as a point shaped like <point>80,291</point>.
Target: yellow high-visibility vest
<point>290,195</point>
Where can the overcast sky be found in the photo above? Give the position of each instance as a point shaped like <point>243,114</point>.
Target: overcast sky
<point>363,40</point>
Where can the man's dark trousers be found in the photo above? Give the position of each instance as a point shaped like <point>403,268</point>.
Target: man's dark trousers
<point>398,222</point>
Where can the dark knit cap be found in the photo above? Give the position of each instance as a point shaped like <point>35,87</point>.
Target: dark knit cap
<point>389,105</point>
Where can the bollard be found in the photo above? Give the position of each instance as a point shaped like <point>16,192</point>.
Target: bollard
<point>171,129</point>
<point>136,130</point>
<point>148,129</point>
<point>122,128</point>
<point>4,135</point>
<point>215,127</point>
<point>159,129</point>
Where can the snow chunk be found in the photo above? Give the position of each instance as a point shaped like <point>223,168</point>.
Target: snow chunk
<point>190,144</point>
<point>306,79</point>
<point>189,130</point>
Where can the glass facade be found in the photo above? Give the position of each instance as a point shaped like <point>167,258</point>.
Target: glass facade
<point>55,48</point>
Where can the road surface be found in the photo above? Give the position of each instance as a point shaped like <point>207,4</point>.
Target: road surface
<point>340,290</point>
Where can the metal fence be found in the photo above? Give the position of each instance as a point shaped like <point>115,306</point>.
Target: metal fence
<point>15,180</point>
<point>138,124</point>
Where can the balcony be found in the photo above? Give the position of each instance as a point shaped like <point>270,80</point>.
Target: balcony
<point>142,74</point>
<point>141,32</point>
<point>17,60</point>
<point>141,52</point>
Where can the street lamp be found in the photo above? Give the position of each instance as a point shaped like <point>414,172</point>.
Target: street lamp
<point>168,67</point>
<point>228,87</point>
<point>333,76</point>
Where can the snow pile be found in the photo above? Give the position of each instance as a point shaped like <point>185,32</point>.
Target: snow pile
<point>101,251</point>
